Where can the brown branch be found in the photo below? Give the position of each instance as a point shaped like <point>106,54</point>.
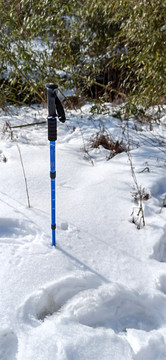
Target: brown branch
<point>24,125</point>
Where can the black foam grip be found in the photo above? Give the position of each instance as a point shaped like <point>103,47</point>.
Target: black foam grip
<point>51,94</point>
<point>52,129</point>
<point>60,110</point>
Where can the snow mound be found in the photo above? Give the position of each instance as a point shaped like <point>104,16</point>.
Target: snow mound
<point>154,350</point>
<point>116,307</point>
<point>159,188</point>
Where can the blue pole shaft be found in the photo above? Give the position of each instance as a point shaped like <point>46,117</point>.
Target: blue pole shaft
<point>53,190</point>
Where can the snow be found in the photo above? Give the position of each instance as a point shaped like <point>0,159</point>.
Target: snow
<point>101,293</point>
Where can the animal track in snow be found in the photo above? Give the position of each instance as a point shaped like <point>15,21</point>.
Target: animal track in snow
<point>8,345</point>
<point>51,298</point>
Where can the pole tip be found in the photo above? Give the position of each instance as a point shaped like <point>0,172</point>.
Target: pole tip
<point>51,86</point>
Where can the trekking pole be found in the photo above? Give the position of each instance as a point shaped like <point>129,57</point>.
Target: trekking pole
<point>55,109</point>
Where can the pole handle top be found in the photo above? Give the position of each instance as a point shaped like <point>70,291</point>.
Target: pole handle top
<point>51,86</point>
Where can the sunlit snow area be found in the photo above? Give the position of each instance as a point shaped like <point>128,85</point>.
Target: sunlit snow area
<point>101,293</point>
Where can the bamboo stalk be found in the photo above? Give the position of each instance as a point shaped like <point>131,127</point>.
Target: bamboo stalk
<point>23,75</point>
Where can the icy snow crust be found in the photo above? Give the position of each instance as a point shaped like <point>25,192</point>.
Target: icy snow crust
<point>101,294</point>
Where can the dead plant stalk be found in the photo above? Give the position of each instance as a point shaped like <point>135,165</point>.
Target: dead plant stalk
<point>8,128</point>
<point>139,192</point>
<point>25,179</point>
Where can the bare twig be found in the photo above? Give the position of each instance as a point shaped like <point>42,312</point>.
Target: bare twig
<point>84,146</point>
<point>32,124</point>
<point>22,164</point>
<point>140,192</point>
<point>106,87</point>
<point>7,128</point>
<point>144,170</point>
<point>140,214</point>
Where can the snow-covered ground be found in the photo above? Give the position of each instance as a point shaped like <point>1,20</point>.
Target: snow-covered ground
<point>101,293</point>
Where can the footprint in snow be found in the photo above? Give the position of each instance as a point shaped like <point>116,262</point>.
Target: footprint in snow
<point>52,298</point>
<point>84,300</point>
<point>8,345</point>
<point>16,229</point>
<point>16,234</point>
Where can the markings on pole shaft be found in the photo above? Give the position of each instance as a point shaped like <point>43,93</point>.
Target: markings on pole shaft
<point>53,227</point>
<point>53,175</point>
